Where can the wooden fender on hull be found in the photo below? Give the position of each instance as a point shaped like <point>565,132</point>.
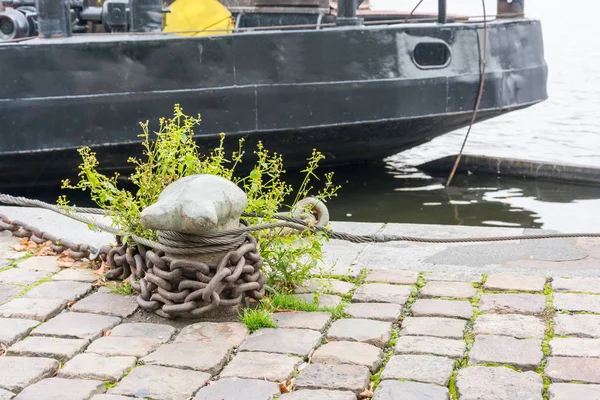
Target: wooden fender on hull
<point>203,17</point>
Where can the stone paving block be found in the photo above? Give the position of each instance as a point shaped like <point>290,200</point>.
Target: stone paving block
<point>320,394</point>
<point>577,302</point>
<point>581,325</point>
<point>12,255</point>
<point>419,368</point>
<point>523,354</point>
<point>231,333</point>
<point>7,292</point>
<point>382,293</point>
<point>498,383</point>
<point>567,369</point>
<point>6,395</point>
<point>62,389</point>
<point>442,308</point>
<point>572,391</point>
<point>512,303</point>
<point>333,286</point>
<point>354,378</point>
<point>433,326</point>
<point>235,388</point>
<point>393,276</point>
<point>94,366</point>
<point>164,383</point>
<point>76,325</point>
<point>207,357</point>
<point>460,290</point>
<point>76,274</point>
<point>302,320</point>
<point>13,329</point>
<point>527,283</point>
<point>263,366</point>
<point>18,276</point>
<point>339,258</point>
<point>107,304</point>
<point>113,397</point>
<point>430,345</point>
<point>123,346</point>
<point>323,300</point>
<point>64,290</point>
<point>575,347</point>
<point>37,309</point>
<point>377,333</point>
<point>515,325</point>
<point>349,353</point>
<point>281,340</point>
<point>379,311</point>
<point>454,276</point>
<point>20,372</point>
<point>40,346</point>
<point>40,263</point>
<point>394,390</point>
<point>581,285</point>
<point>160,332</point>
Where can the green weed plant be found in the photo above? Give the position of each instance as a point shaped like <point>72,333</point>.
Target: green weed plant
<point>172,154</point>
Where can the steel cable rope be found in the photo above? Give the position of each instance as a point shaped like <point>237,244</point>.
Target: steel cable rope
<point>180,244</point>
<point>479,95</point>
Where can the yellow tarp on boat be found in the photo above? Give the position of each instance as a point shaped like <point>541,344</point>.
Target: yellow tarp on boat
<point>198,18</point>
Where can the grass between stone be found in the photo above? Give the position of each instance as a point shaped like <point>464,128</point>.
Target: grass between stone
<point>469,339</point>
<point>13,263</point>
<point>548,335</point>
<point>123,288</point>
<point>255,319</point>
<point>390,348</point>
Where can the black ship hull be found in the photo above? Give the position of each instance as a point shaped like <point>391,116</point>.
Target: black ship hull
<point>354,93</point>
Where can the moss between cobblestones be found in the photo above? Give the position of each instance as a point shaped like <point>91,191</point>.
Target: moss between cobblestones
<point>391,345</point>
<point>469,339</point>
<point>548,335</point>
<point>487,291</point>
<point>578,312</point>
<point>9,266</point>
<point>13,263</point>
<point>27,288</point>
<point>110,385</point>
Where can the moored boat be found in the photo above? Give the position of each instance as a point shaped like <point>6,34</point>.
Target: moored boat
<point>356,84</point>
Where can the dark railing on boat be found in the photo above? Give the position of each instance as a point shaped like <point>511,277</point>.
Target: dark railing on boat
<point>61,18</point>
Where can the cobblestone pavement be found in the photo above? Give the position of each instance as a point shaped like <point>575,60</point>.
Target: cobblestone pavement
<point>405,334</point>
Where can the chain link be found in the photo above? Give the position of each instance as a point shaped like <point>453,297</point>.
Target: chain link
<point>168,286</point>
<point>58,245</point>
<point>179,287</point>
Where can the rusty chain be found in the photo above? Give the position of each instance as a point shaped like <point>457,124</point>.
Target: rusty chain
<point>178,287</point>
<point>166,285</point>
<point>58,245</point>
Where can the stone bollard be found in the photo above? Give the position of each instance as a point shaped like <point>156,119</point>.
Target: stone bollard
<point>175,284</point>
<point>197,205</point>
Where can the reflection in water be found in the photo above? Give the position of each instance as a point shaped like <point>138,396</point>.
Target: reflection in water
<point>387,194</point>
<point>396,193</point>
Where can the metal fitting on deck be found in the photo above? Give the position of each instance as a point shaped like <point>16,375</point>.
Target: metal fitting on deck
<point>53,18</point>
<point>510,8</point>
<point>346,14</point>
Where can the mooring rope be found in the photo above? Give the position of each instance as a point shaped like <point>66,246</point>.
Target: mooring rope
<point>478,99</point>
<point>181,244</point>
